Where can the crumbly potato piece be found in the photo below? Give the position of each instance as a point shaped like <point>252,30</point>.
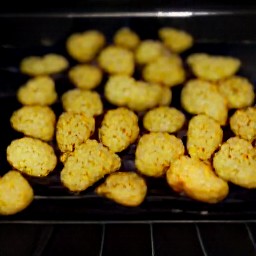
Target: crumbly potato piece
<point>137,95</point>
<point>119,129</point>
<point>31,156</point>
<point>238,92</point>
<point>148,51</point>
<point>243,123</point>
<point>166,98</point>
<point>197,180</point>
<point>202,97</point>
<point>84,46</point>
<point>164,119</point>
<point>125,188</point>
<point>85,76</point>
<point>38,91</point>
<point>117,60</point>
<point>34,121</point>
<point>77,100</point>
<point>144,96</point>
<point>73,129</point>
<point>204,137</point>
<point>15,193</point>
<point>155,153</point>
<point>89,162</point>
<point>164,70</point>
<point>176,40</point>
<point>118,89</point>
<point>45,65</point>
<point>236,162</point>
<point>213,68</point>
<point>126,38</point>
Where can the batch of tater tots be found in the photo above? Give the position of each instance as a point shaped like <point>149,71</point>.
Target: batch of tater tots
<point>200,168</point>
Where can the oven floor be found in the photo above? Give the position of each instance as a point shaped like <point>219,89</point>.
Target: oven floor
<point>142,239</point>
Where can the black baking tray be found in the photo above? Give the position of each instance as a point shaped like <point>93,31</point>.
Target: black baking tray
<point>24,34</point>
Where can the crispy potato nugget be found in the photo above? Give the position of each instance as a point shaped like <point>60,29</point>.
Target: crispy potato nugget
<point>166,71</point>
<point>236,162</point>
<point>213,68</point>
<point>119,129</point>
<point>126,38</point>
<point>148,51</point>
<point>176,40</point>
<point>197,180</point>
<point>117,60</point>
<point>238,92</point>
<point>85,76</point>
<point>89,162</point>
<point>243,123</point>
<point>144,96</point>
<point>15,193</point>
<point>125,188</point>
<point>204,137</point>
<point>202,97</point>
<point>34,121</point>
<point>31,156</point>
<point>73,129</point>
<point>118,89</point>
<point>164,119</point>
<point>166,97</point>
<point>77,100</point>
<point>84,46</point>
<point>38,91</point>
<point>45,65</point>
<point>137,95</point>
<point>156,152</point>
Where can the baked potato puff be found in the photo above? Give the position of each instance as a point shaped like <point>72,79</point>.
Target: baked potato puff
<point>155,153</point>
<point>16,194</point>
<point>197,180</point>
<point>125,188</point>
<point>236,162</point>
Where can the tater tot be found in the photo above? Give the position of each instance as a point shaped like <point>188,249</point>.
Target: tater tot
<point>166,97</point>
<point>213,68</point>
<point>137,95</point>
<point>89,162</point>
<point>77,100</point>
<point>84,46</point>
<point>126,38</point>
<point>118,89</point>
<point>125,188</point>
<point>204,137</point>
<point>73,129</point>
<point>164,70</point>
<point>144,96</point>
<point>164,119</point>
<point>197,180</point>
<point>117,60</point>
<point>16,194</point>
<point>238,92</point>
<point>45,65</point>
<point>156,152</point>
<point>34,121</point>
<point>202,97</point>
<point>38,91</point>
<point>176,40</point>
<point>148,51</point>
<point>243,123</point>
<point>119,129</point>
<point>236,162</point>
<point>85,76</point>
<point>31,156</point>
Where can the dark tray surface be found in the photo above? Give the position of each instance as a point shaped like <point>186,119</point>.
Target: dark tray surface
<point>52,201</point>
